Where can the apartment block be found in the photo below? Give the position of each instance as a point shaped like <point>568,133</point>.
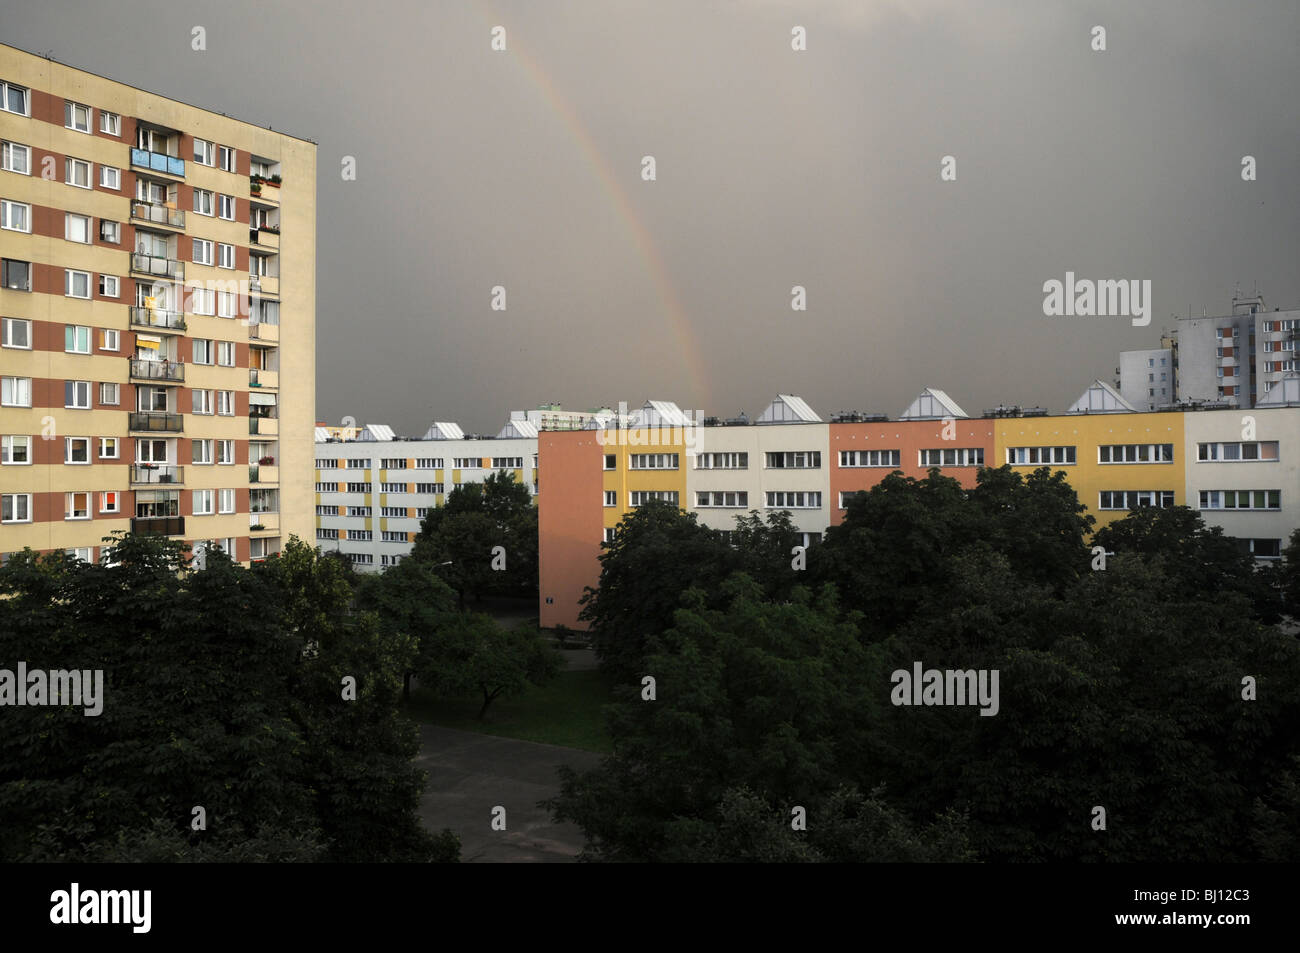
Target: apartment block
<point>1239,470</point>
<point>374,488</point>
<point>158,305</point>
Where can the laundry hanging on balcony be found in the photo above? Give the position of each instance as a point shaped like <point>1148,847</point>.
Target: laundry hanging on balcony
<point>148,342</point>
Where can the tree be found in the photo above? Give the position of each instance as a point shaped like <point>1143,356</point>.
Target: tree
<point>472,653</point>
<point>408,599</point>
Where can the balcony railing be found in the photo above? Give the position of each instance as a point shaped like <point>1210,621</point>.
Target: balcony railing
<point>263,473</point>
<point>157,318</point>
<point>157,265</point>
<point>258,377</point>
<point>157,370</point>
<point>156,473</point>
<point>158,525</point>
<point>265,426</point>
<point>155,422</point>
<point>157,162</point>
<point>261,331</point>
<point>157,214</point>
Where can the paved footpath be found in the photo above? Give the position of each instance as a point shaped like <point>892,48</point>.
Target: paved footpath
<point>470,774</point>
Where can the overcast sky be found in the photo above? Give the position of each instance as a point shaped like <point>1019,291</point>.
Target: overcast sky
<point>774,168</point>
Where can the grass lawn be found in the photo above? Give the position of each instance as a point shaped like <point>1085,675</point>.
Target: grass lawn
<point>566,711</point>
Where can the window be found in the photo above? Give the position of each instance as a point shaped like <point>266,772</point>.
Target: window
<point>956,457</point>
<point>393,463</point>
<point>110,123</point>
<point>360,534</point>
<point>203,301</point>
<point>205,153</point>
<point>202,251</point>
<point>845,496</point>
<point>653,461</point>
<point>226,353</point>
<point>225,256</point>
<point>323,463</point>
<point>227,207</point>
<point>428,463</point>
<point>422,511</point>
<point>76,339</point>
<point>202,351</point>
<point>109,394</point>
<point>798,460</point>
<point>392,488</point>
<point>110,232</point>
<point>722,461</point>
<point>1236,452</point>
<point>467,463</point>
<point>225,501</point>
<point>611,498</point>
<point>358,463</point>
<point>15,508</point>
<point>870,458</point>
<point>76,450</point>
<point>394,536</point>
<point>358,488</point>
<point>76,228</point>
<point>226,158</point>
<point>225,452</point>
<point>1023,456</point>
<point>507,463</point>
<point>226,403</point>
<point>327,511</point>
<point>77,172</point>
<point>76,116</point>
<point>16,450</point>
<point>609,533</point>
<point>76,506</point>
<point>15,216</point>
<point>327,534</point>
<point>110,502</point>
<point>1136,453</point>
<point>638,497</point>
<point>202,502</point>
<point>361,559</point>
<point>727,498</point>
<point>203,201</point>
<point>110,178</point>
<point>359,510</point>
<point>202,401</point>
<point>76,395</point>
<point>108,448</point>
<point>1261,548</point>
<point>15,99</point>
<point>1241,499</point>
<point>326,487</point>
<point>428,487</point>
<point>797,500</point>
<point>15,275</point>
<point>16,391</point>
<point>611,461</point>
<point>202,452</point>
<point>397,511</point>
<point>109,287</point>
<point>15,157</point>
<point>76,284</point>
<point>17,333</point>
<point>1133,499</point>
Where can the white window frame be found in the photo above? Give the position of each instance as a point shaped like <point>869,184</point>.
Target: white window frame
<point>84,225</point>
<point>8,208</point>
<point>16,387</point>
<point>226,450</point>
<point>14,498</point>
<point>225,403</point>
<point>202,401</point>
<point>226,160</point>
<point>69,276</point>
<point>205,152</point>
<point>9,149</point>
<point>225,501</point>
<point>5,89</point>
<point>225,353</point>
<point>105,393</point>
<point>8,325</point>
<point>226,203</point>
<point>117,501</point>
<point>206,499</point>
<point>201,352</point>
<point>70,167</point>
<point>78,387</point>
<point>105,443</point>
<point>80,335</point>
<point>70,108</point>
<point>9,442</point>
<point>110,124</point>
<point>204,198</point>
<point>204,453</point>
<point>110,286</point>
<point>225,256</point>
<point>70,507</point>
<point>202,251</point>
<point>69,443</point>
<point>108,226</point>
<point>110,177</point>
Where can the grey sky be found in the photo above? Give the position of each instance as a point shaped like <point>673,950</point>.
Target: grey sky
<point>775,168</point>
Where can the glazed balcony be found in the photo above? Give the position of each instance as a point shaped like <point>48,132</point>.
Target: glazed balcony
<point>160,371</point>
<point>157,162</point>
<point>155,266</point>
<point>158,525</point>
<point>147,213</point>
<point>155,473</point>
<point>157,319</point>
<point>155,422</point>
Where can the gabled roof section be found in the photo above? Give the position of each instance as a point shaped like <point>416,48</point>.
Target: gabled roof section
<point>443,430</point>
<point>518,430</point>
<point>375,432</point>
<point>1283,393</point>
<point>1101,398</point>
<point>933,404</point>
<point>788,409</point>
<point>659,413</point>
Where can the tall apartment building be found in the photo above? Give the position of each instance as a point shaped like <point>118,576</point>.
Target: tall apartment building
<point>158,303</point>
<point>1231,360</point>
<point>1240,471</point>
<point>374,488</point>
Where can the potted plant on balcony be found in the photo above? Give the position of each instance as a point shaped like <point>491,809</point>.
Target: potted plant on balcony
<point>256,526</point>
<point>274,180</point>
<point>266,461</point>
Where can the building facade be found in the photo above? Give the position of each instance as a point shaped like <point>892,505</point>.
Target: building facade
<point>158,304</point>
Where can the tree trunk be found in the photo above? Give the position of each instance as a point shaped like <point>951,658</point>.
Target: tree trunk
<point>487,700</point>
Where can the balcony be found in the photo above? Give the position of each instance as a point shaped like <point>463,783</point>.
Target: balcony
<point>157,267</point>
<point>270,523</point>
<point>158,525</point>
<point>264,190</point>
<point>153,473</point>
<point>157,319</point>
<point>263,473</point>
<point>157,370</point>
<point>155,422</point>
<point>264,284</point>
<point>264,426</point>
<point>157,162</point>
<point>264,238</point>
<point>161,215</point>
<point>260,378</point>
<point>266,333</point>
